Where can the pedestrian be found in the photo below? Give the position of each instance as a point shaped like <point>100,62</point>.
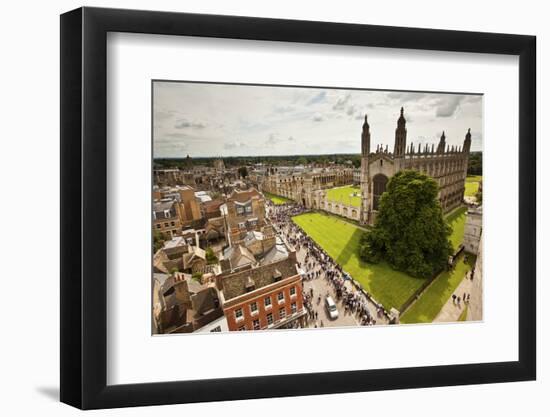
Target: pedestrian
<point>454,299</point>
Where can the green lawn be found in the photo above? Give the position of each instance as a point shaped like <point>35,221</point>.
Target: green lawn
<point>276,199</point>
<point>457,220</point>
<point>434,298</point>
<point>345,195</point>
<point>341,241</point>
<point>390,287</point>
<point>472,185</point>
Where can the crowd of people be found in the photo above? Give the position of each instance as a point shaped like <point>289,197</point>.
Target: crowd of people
<point>317,264</point>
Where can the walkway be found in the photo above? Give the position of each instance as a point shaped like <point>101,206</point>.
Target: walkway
<point>451,311</point>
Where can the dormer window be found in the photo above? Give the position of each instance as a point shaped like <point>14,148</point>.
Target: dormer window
<point>277,276</point>
<point>250,285</point>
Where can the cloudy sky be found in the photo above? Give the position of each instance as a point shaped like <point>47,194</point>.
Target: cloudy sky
<point>236,120</point>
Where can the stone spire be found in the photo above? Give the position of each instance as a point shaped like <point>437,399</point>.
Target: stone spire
<point>467,142</point>
<point>400,136</point>
<point>365,138</point>
<point>441,145</point>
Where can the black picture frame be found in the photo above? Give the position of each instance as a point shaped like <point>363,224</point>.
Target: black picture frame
<point>84,207</point>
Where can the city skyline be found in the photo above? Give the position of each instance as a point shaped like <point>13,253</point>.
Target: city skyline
<point>209,120</point>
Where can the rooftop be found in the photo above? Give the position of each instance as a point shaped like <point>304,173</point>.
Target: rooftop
<point>235,284</point>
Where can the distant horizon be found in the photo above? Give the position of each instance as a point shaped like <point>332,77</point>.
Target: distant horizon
<point>267,156</point>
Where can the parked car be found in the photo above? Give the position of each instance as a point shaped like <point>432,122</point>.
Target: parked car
<point>332,310</point>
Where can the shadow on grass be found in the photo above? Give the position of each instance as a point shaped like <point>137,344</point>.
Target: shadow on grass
<point>351,248</point>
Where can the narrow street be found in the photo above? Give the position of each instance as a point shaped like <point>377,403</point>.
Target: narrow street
<point>317,280</point>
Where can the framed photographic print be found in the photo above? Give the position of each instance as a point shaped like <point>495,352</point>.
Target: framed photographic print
<point>259,207</point>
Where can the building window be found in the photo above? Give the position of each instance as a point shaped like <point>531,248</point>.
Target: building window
<point>240,210</point>
<point>242,225</point>
<point>242,329</point>
<point>292,291</point>
<point>173,224</point>
<point>256,324</point>
<point>167,214</point>
<point>239,313</point>
<point>249,209</point>
<point>158,226</point>
<point>269,319</point>
<point>281,297</point>
<point>253,307</point>
<point>267,301</point>
<point>282,313</point>
<point>293,308</point>
<point>166,224</point>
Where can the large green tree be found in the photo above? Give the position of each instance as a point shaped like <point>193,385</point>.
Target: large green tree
<point>410,232</point>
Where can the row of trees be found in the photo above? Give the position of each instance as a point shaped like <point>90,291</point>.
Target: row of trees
<point>475,163</point>
<point>238,161</point>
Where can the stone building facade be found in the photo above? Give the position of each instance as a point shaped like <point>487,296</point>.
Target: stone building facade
<point>300,186</point>
<point>166,219</point>
<point>245,213</point>
<point>473,229</point>
<point>446,164</point>
<point>321,201</point>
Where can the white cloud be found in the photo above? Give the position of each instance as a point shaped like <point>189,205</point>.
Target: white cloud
<point>448,107</point>
<point>212,119</point>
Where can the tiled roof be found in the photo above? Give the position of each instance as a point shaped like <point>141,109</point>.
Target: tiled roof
<point>243,196</point>
<point>235,284</point>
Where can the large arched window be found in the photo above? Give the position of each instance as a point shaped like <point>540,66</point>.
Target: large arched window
<point>379,186</point>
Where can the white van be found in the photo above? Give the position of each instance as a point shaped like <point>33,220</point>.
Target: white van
<point>330,305</point>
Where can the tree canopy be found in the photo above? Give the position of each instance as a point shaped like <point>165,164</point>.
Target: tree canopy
<point>410,232</point>
<point>475,163</point>
<point>243,172</point>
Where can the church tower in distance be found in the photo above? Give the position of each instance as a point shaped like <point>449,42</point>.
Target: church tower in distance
<point>365,180</point>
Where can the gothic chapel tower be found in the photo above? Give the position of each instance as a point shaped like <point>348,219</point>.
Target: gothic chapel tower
<point>400,142</point>
<point>365,180</point>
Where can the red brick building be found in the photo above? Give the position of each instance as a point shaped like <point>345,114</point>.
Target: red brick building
<point>263,297</point>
